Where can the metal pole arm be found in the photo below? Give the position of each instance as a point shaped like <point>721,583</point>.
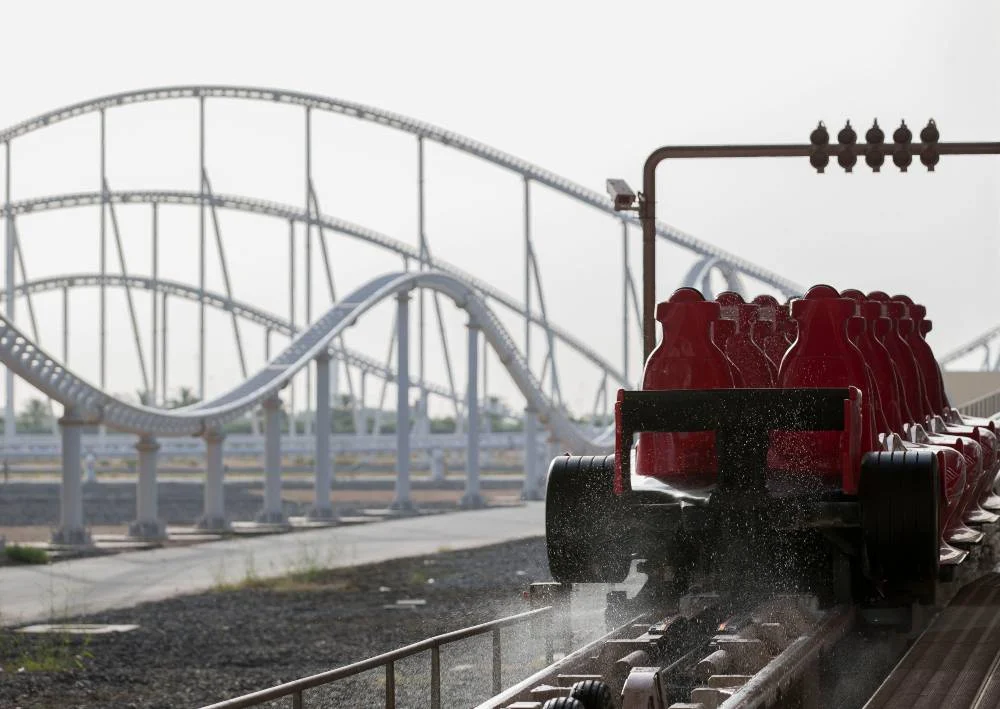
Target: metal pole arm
<point>647,199</point>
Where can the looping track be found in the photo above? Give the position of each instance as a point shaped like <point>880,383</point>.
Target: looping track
<point>282,326</point>
<point>28,360</point>
<point>44,372</point>
<point>408,125</point>
<point>284,211</point>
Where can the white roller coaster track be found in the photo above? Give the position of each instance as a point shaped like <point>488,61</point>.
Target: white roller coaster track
<point>35,366</point>
<point>177,289</point>
<point>408,125</point>
<point>30,362</point>
<point>284,211</point>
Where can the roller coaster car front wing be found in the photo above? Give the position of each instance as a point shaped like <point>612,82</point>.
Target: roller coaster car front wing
<point>876,533</point>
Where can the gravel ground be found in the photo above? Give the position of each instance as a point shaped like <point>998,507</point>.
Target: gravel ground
<point>194,650</point>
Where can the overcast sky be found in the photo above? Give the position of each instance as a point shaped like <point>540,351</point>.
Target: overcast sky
<point>584,89</point>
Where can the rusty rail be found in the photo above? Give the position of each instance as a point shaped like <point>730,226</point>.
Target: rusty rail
<point>295,688</point>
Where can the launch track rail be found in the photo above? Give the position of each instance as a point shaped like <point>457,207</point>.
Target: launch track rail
<point>707,654</point>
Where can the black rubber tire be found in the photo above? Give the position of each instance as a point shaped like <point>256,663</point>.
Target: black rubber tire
<point>899,493</point>
<point>593,694</point>
<point>586,531</point>
<point>563,703</point>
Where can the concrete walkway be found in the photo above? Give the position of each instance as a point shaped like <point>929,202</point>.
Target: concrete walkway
<point>32,594</point>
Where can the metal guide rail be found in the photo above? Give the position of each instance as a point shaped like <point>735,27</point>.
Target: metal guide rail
<point>298,689</point>
<point>707,653</point>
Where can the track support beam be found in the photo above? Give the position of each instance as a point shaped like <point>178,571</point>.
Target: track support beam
<point>147,524</point>
<point>71,530</point>
<point>401,503</point>
<point>473,498</point>
<point>322,509</point>
<point>272,512</point>
<point>214,515</point>
<point>532,489</point>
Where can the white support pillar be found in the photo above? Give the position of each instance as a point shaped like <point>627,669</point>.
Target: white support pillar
<point>437,465</point>
<point>90,469</point>
<point>147,524</point>
<point>551,448</point>
<point>10,307</point>
<point>532,489</point>
<point>425,419</point>
<point>361,427</point>
<point>71,530</point>
<point>272,512</point>
<point>214,516</point>
<point>472,499</point>
<point>402,502</point>
<point>322,509</point>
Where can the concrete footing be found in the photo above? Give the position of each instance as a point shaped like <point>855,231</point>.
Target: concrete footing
<point>472,501</point>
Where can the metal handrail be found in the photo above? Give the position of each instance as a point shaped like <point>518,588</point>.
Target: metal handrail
<point>295,688</point>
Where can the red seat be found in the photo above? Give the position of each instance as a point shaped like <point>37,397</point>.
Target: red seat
<point>777,338</point>
<point>756,370</point>
<point>886,401</point>
<point>685,358</point>
<point>824,356</point>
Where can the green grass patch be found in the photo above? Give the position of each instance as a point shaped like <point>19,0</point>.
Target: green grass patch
<point>26,555</point>
<point>43,653</point>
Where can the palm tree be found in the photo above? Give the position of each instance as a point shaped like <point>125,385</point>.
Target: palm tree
<point>35,416</point>
<point>185,397</point>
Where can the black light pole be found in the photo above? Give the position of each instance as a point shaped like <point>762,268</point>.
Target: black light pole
<point>818,150</point>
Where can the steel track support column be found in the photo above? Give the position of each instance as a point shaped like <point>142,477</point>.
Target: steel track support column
<point>214,516</point>
<point>527,273</point>
<point>437,465</point>
<point>103,257</point>
<point>147,524</point>
<point>402,504</point>
<point>71,530</point>
<point>472,499</point>
<point>625,279</point>
<point>551,446</point>
<point>65,319</point>
<point>154,395</point>
<point>532,489</point>
<point>291,317</point>
<point>322,509</point>
<point>163,353</point>
<point>361,427</point>
<point>424,427</point>
<point>10,416</point>
<point>201,247</point>
<point>258,413</point>
<point>272,512</point>
<point>309,422</point>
